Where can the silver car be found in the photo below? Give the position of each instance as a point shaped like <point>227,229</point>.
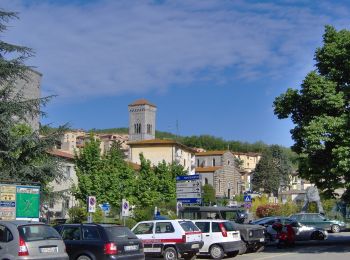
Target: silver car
<point>30,240</point>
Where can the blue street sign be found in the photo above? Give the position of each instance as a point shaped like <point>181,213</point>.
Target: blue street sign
<point>187,177</point>
<point>105,207</point>
<point>247,198</point>
<point>190,201</point>
<point>7,204</point>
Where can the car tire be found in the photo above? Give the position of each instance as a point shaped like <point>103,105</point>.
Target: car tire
<point>232,254</point>
<point>335,228</point>
<point>216,252</point>
<point>170,253</point>
<point>84,257</point>
<point>317,235</point>
<point>243,248</point>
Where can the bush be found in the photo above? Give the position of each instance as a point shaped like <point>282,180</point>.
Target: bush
<point>267,210</point>
<point>77,215</point>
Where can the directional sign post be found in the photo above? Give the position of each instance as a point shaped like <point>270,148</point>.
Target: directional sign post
<point>189,189</point>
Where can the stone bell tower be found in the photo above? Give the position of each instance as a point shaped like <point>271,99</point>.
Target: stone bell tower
<point>142,120</point>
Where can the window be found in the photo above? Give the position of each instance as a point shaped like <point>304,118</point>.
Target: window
<point>37,232</point>
<point>188,226</point>
<point>164,227</point>
<point>5,234</point>
<point>198,163</point>
<point>184,162</point>
<point>68,168</point>
<point>143,228</point>
<point>228,162</point>
<point>206,181</point>
<point>90,233</point>
<point>215,227</point>
<point>71,233</point>
<point>203,226</point>
<point>219,185</point>
<point>214,162</point>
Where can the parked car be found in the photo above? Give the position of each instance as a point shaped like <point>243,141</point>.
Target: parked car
<point>219,237</point>
<point>302,232</point>
<point>169,238</point>
<point>236,214</point>
<point>30,240</point>
<point>320,221</point>
<point>100,242</point>
<point>252,236</point>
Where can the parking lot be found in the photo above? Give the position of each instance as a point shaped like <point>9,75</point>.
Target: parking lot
<point>336,247</point>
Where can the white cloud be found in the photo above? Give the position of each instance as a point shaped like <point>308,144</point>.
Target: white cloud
<point>120,47</point>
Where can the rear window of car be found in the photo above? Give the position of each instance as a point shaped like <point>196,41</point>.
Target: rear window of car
<point>229,226</point>
<point>188,226</point>
<point>37,232</point>
<point>117,233</point>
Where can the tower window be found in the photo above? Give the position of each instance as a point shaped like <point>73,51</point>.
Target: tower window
<point>213,162</point>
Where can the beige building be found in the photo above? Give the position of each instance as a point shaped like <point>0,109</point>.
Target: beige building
<point>157,150</point>
<point>218,169</point>
<point>249,160</point>
<point>59,207</point>
<point>71,140</point>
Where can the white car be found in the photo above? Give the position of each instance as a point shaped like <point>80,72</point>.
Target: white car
<point>169,238</point>
<point>219,237</point>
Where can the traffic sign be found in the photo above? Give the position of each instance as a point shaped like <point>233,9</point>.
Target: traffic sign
<point>188,177</point>
<point>125,208</point>
<point>91,204</point>
<point>190,200</point>
<point>188,189</point>
<point>105,207</point>
<point>247,205</point>
<point>188,195</point>
<point>188,184</point>
<point>247,198</point>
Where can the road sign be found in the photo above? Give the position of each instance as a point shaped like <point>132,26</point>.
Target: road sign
<point>247,198</point>
<point>190,200</point>
<point>105,207</point>
<point>188,184</point>
<point>91,204</point>
<point>188,189</point>
<point>247,205</point>
<point>125,208</point>
<point>188,177</point>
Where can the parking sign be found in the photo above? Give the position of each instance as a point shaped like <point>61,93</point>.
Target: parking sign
<point>91,204</point>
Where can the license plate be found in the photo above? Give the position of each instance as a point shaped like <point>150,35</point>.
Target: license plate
<point>131,248</point>
<point>262,239</point>
<point>49,249</point>
<point>195,246</point>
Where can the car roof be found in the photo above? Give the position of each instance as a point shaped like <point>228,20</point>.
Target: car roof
<point>212,220</point>
<point>21,222</point>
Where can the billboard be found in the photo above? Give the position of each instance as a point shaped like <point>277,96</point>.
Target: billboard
<point>19,202</point>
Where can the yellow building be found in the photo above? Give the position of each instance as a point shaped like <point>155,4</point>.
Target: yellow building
<point>157,150</point>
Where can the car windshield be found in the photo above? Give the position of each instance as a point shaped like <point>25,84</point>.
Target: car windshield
<point>188,226</point>
<point>117,233</point>
<point>37,232</point>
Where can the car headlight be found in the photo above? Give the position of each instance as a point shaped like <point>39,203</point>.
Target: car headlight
<point>250,233</point>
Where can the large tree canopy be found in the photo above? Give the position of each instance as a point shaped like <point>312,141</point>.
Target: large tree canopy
<point>23,153</point>
<point>320,110</point>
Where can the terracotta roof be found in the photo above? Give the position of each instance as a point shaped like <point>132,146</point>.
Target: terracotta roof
<point>210,153</point>
<point>62,154</point>
<point>160,142</point>
<point>247,154</point>
<point>141,102</point>
<point>207,169</point>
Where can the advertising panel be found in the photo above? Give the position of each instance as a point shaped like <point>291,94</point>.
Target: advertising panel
<point>28,202</point>
<point>7,202</point>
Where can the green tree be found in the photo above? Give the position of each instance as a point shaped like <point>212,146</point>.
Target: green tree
<point>107,176</point>
<point>23,153</point>
<point>320,111</point>
<point>209,195</point>
<point>272,171</point>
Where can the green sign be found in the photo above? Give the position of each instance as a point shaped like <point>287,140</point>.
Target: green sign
<point>28,202</point>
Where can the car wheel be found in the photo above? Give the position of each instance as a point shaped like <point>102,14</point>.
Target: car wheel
<point>84,257</point>
<point>317,236</point>
<point>170,253</point>
<point>232,254</point>
<point>216,252</point>
<point>243,248</point>
<point>335,228</point>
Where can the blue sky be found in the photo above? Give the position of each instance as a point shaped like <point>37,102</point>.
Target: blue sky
<point>214,67</point>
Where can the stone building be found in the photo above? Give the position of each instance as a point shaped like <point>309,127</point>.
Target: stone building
<point>142,120</point>
<point>218,169</point>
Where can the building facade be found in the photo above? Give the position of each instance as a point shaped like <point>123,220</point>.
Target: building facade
<point>159,150</point>
<point>142,120</point>
<point>218,169</point>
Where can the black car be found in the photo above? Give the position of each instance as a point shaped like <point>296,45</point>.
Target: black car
<point>100,242</point>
